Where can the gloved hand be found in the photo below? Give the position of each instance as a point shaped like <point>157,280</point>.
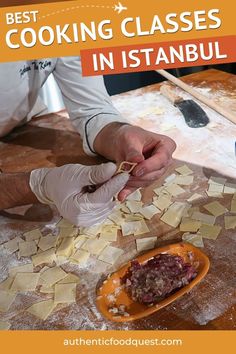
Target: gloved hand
<point>65,187</point>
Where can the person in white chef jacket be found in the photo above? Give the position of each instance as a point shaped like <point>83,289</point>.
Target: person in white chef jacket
<point>103,130</point>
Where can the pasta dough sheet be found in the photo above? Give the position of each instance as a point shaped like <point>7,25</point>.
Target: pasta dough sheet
<point>42,309</point>
<point>230,222</point>
<point>80,257</point>
<point>163,202</point>
<point>13,245</point>
<point>94,246</point>
<point>25,282</point>
<point>215,208</point>
<point>47,242</point>
<point>53,275</point>
<point>204,218</point>
<point>66,247</point>
<point>25,268</point>
<point>149,211</point>
<point>27,249</point>
<point>32,235</point>
<point>65,293</point>
<point>146,243</point>
<point>190,225</point>
<point>195,239</point>
<point>110,254</point>
<point>6,299</point>
<point>210,231</point>
<point>44,257</point>
<point>184,170</point>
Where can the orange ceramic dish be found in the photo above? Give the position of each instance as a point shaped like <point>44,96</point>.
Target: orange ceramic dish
<point>111,294</point>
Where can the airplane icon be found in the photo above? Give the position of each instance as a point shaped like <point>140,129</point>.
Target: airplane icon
<point>119,8</point>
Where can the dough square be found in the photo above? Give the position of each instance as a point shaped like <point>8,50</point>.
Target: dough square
<point>127,228</point>
<point>230,222</point>
<point>215,208</point>
<point>110,254</point>
<point>195,239</point>
<point>217,180</point>
<point>80,257</point>
<point>13,245</point>
<point>204,218</point>
<point>25,268</point>
<point>6,283</point>
<point>27,249</point>
<point>32,235</point>
<point>183,180</point>
<point>169,179</point>
<point>94,246</point>
<point>190,225</point>
<point>230,188</point>
<point>233,206</point>
<point>91,231</point>
<point>136,195</point>
<point>65,232</point>
<point>174,189</point>
<point>4,325</point>
<point>65,293</point>
<point>47,290</point>
<point>210,231</point>
<point>116,217</point>
<point>42,309</point>
<point>47,242</point>
<point>160,190</point>
<point>44,257</point>
<point>52,275</point>
<point>146,243</point>
<point>184,170</point>
<point>134,206</point>
<point>25,282</point>
<point>133,217</point>
<point>61,260</point>
<point>149,211</point>
<point>43,269</point>
<point>109,233</point>
<point>141,228</point>
<point>216,188</point>
<point>70,278</point>
<point>192,210</point>
<point>163,202</point>
<point>6,299</point>
<point>214,194</point>
<point>174,214</point>
<point>66,247</point>
<point>134,228</point>
<point>80,240</point>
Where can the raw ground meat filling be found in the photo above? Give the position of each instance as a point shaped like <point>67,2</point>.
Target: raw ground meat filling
<point>158,278</point>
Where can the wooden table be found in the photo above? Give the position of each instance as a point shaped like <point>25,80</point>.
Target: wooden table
<point>51,140</point>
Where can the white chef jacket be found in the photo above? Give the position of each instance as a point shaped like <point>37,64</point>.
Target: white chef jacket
<point>86,99</point>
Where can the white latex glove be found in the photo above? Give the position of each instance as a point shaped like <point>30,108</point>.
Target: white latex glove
<point>66,188</point>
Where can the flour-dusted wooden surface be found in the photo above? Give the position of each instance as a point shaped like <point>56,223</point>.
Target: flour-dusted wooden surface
<point>212,146</point>
<point>50,141</point>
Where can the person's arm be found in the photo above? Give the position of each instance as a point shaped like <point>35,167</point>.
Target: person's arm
<point>86,100</point>
<point>15,190</point>
<point>104,131</point>
<point>66,188</point>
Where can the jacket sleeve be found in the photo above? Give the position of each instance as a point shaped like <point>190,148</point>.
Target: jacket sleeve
<point>86,100</point>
